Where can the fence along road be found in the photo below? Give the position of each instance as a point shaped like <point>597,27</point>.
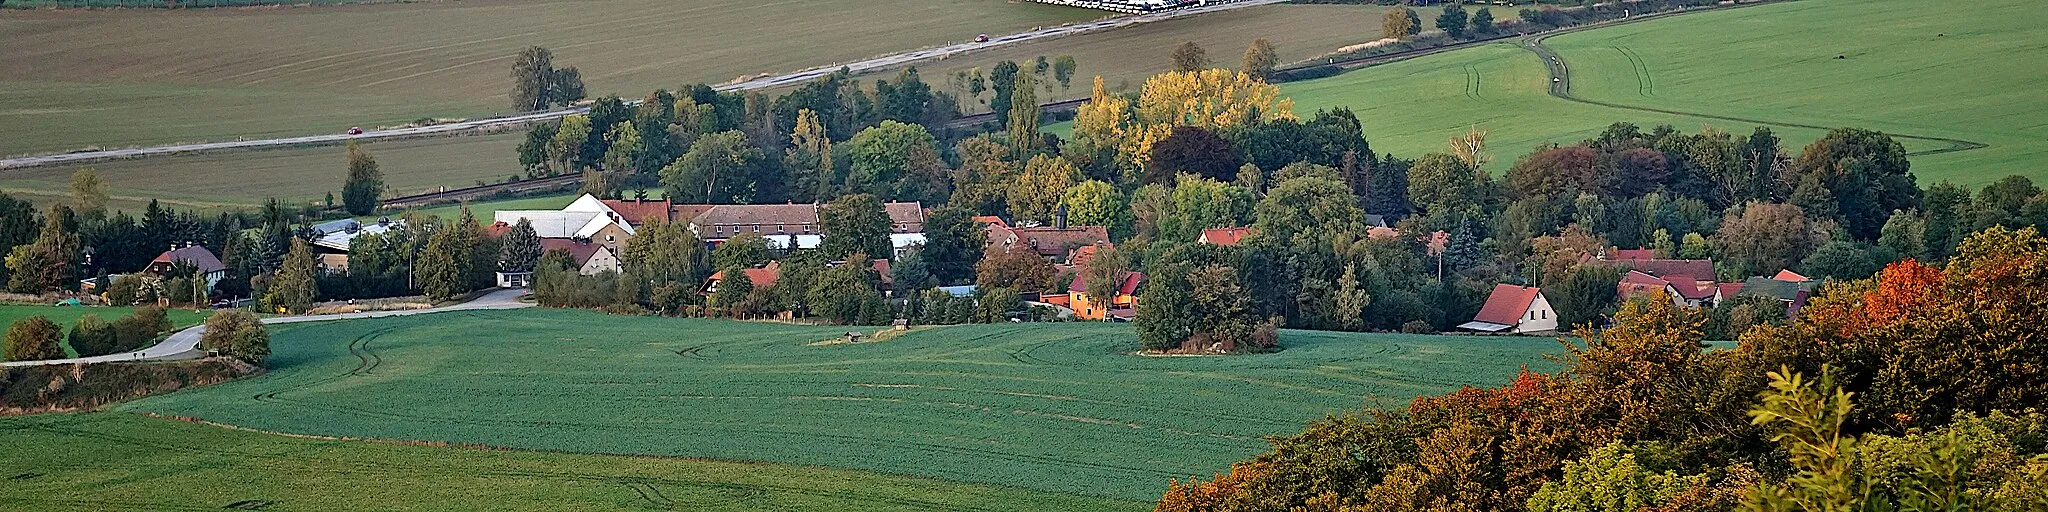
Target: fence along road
<point>757,83</point>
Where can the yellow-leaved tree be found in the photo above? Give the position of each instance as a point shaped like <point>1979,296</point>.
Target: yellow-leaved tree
<point>1212,99</point>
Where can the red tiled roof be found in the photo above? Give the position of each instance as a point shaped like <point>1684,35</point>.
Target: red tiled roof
<point>1085,253</point>
<point>1635,282</point>
<point>1634,254</point>
<point>1790,277</point>
<point>687,212</point>
<point>991,220</point>
<point>1728,290</point>
<point>1129,285</point>
<point>1507,304</point>
<point>635,211</point>
<point>579,252</point>
<point>881,266</point>
<point>905,217</point>
<point>718,222</point>
<point>1661,267</point>
<point>761,277</point>
<point>1131,282</point>
<point>1055,242</point>
<point>197,256</point>
<point>1225,236</point>
<point>1689,287</point>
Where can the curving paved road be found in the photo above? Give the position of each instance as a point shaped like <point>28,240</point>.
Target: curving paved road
<point>185,344</point>
<point>758,83</point>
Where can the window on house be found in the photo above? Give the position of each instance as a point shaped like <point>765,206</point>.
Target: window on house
<point>1532,315</point>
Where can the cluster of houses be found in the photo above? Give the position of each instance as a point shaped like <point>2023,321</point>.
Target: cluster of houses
<point>1513,309</point>
<point>595,231</point>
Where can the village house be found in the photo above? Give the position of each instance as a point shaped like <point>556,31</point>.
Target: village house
<point>1224,236</point>
<point>1683,290</point>
<point>588,257</point>
<point>585,219</point>
<point>1122,307</point>
<point>204,263</point>
<point>1515,310</point>
<point>1787,286</point>
<point>1057,242</point>
<point>1688,282</point>
<point>332,240</point>
<point>793,226</point>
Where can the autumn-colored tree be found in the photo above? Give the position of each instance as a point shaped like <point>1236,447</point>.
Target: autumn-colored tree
<point>1260,58</point>
<point>1398,24</point>
<point>1211,99</point>
<point>1017,268</point>
<point>1471,147</point>
<point>809,159</point>
<point>88,191</point>
<point>1556,172</point>
<point>49,262</point>
<point>1035,196</point>
<point>1762,238</point>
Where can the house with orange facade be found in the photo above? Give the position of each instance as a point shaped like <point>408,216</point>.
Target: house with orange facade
<point>1122,307</point>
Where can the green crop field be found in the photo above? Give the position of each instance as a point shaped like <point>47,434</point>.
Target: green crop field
<point>75,78</point>
<point>1909,68</point>
<point>65,316</point>
<point>1125,57</point>
<point>112,461</point>
<point>1050,407</point>
<point>1959,71</point>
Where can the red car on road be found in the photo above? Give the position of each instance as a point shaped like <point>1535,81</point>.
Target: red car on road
<point>355,131</point>
<point>981,38</point>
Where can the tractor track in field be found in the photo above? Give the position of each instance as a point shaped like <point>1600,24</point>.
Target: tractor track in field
<point>645,487</point>
<point>365,361</point>
<point>1561,88</point>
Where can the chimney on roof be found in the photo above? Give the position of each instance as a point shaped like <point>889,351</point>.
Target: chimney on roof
<point>1059,218</point>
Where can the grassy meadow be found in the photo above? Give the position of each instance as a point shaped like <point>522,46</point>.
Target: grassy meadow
<point>77,78</point>
<point>1048,407</point>
<point>1911,68</point>
<point>113,461</point>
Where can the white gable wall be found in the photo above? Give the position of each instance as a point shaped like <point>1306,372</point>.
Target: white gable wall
<point>600,262</point>
<point>1539,318</point>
